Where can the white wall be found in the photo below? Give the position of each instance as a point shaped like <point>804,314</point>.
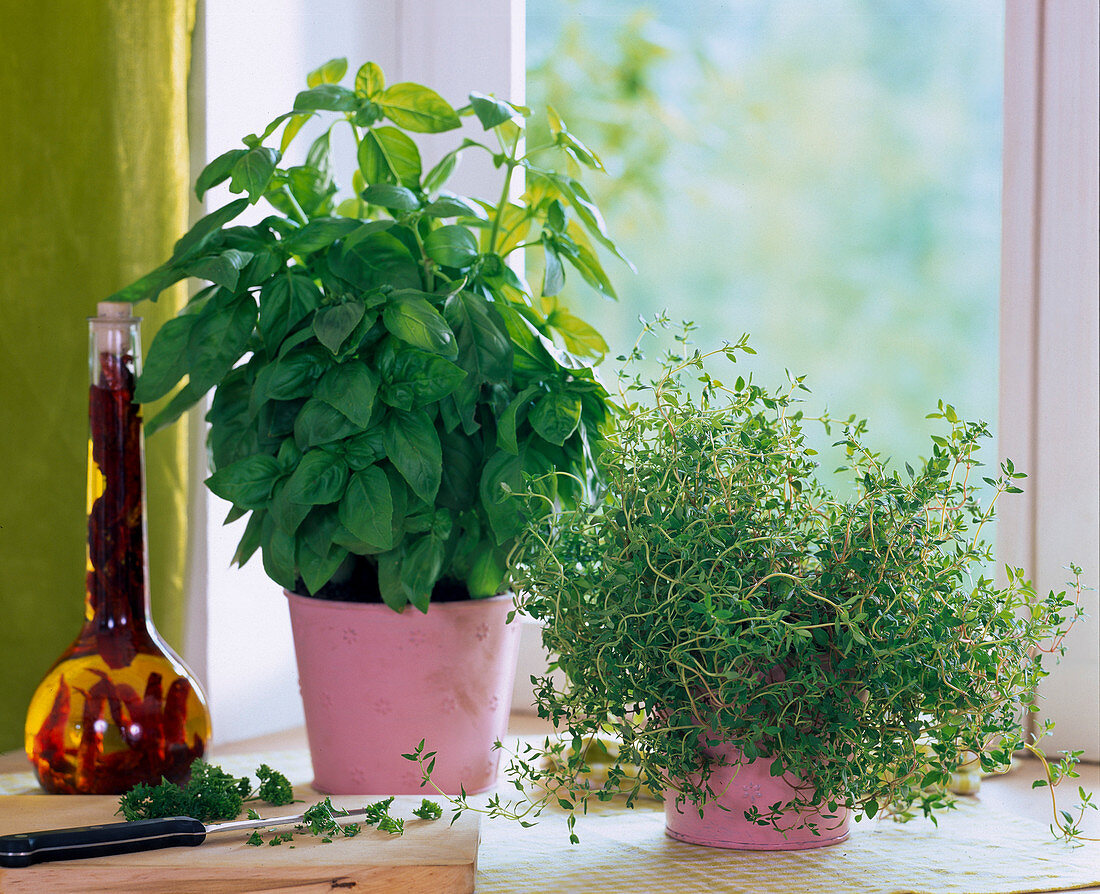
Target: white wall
<point>251,58</point>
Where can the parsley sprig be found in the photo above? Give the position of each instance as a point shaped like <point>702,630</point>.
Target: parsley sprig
<point>210,794</point>
<point>213,794</point>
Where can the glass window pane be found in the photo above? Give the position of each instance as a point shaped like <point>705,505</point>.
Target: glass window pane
<point>825,176</point>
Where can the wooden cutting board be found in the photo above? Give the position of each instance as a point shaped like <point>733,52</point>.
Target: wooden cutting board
<point>432,857</point>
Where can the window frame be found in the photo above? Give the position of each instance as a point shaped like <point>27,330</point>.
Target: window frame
<point>1049,403</point>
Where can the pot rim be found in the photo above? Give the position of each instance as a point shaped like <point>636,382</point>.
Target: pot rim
<point>343,605</point>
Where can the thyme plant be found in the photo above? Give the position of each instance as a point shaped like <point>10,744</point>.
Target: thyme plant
<point>719,592</point>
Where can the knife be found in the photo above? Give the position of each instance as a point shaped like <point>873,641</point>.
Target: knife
<point>124,838</point>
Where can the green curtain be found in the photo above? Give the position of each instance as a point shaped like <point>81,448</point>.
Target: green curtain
<point>93,192</point>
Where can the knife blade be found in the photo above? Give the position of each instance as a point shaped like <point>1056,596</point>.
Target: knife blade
<point>124,838</point>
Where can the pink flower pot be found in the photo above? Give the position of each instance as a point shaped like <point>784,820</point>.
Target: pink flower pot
<point>375,682</point>
<point>739,789</point>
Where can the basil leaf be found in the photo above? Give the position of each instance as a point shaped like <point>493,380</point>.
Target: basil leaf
<point>205,228</point>
<point>366,509</point>
<point>246,483</point>
<point>376,259</point>
<point>253,140</point>
<point>167,360</point>
<point>276,418</point>
<point>412,445</point>
<point>553,278</point>
<point>321,477</point>
<point>396,198</point>
<point>579,337</point>
<point>417,108</point>
<point>556,416</point>
<point>501,480</point>
<point>350,388</point>
<point>415,320</point>
<point>332,325</point>
<point>487,573</point>
<point>513,416</point>
<point>491,111</point>
<point>319,154</point>
<point>217,171</point>
<point>483,344</point>
<point>332,72</point>
<point>364,230</point>
<point>318,234</point>
<point>150,285</point>
<point>386,155</point>
<point>264,265</point>
<point>250,539</point>
<point>394,593</point>
<point>415,378</point>
<point>326,97</point>
<point>289,455</point>
<point>441,172</point>
<point>293,126</point>
<point>370,81</point>
<point>421,569</point>
<point>318,530</point>
<point>321,423</point>
<point>180,403</point>
<point>462,459</point>
<point>252,172</point>
<point>364,450</point>
<point>573,192</point>
<point>284,302</point>
<point>219,339</point>
<point>317,570</point>
<point>221,269</point>
<point>452,246</point>
<point>312,188</point>
<point>584,260</point>
<point>573,146</point>
<point>287,378</point>
<point>228,415</point>
<point>279,554</point>
<point>454,206</point>
<point>286,514</point>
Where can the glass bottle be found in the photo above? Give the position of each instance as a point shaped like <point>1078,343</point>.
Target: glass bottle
<point>118,707</point>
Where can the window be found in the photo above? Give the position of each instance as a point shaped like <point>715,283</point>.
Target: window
<point>877,253</point>
<point>823,176</point>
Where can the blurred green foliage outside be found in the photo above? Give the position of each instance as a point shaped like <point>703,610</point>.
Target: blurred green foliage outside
<point>823,175</point>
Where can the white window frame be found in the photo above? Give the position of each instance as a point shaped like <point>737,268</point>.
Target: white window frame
<point>1049,417</point>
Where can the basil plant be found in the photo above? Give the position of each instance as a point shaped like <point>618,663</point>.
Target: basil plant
<point>383,379</point>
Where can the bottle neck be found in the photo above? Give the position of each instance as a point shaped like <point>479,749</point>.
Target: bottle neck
<point>116,589</point>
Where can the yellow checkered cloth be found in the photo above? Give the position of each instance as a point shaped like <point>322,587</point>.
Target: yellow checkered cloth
<point>622,851</point>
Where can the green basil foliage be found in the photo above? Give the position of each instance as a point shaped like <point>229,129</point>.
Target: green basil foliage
<point>384,378</point>
<point>719,593</point>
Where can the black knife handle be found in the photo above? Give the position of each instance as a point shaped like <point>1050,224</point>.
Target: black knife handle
<point>99,841</point>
